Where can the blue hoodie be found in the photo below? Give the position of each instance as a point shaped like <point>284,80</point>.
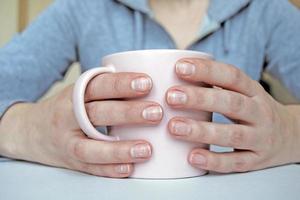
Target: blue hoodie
<point>248,34</point>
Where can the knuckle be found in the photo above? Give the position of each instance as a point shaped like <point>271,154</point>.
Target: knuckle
<point>127,114</point>
<point>91,88</point>
<point>117,153</point>
<point>208,67</point>
<point>214,164</point>
<point>107,171</point>
<point>235,137</point>
<point>130,112</point>
<point>200,97</point>
<point>210,98</point>
<point>204,134</point>
<point>240,164</point>
<point>200,62</point>
<point>236,76</point>
<point>92,110</point>
<point>201,135</point>
<point>268,114</point>
<point>210,135</point>
<point>206,64</point>
<point>79,150</point>
<point>84,167</point>
<point>253,140</point>
<point>236,103</point>
<point>117,84</point>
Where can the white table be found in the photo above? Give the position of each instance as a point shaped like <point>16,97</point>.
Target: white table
<point>22,180</point>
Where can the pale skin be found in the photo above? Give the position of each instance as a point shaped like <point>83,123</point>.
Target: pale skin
<point>266,133</point>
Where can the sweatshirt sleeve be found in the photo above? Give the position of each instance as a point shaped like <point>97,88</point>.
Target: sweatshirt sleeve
<point>283,47</point>
<point>33,60</point>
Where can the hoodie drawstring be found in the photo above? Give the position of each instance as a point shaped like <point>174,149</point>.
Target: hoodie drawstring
<point>139,31</point>
<point>226,36</point>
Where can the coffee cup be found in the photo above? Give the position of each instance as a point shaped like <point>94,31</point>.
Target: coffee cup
<point>169,156</point>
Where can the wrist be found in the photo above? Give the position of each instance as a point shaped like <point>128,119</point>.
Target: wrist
<point>13,126</point>
<point>294,124</point>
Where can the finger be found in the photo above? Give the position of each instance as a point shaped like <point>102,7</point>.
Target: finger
<point>228,103</point>
<point>110,170</point>
<point>102,152</point>
<point>109,113</point>
<point>223,162</point>
<point>217,74</point>
<point>227,135</point>
<point>118,85</point>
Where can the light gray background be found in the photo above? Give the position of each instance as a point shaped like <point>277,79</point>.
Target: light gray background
<point>21,180</point>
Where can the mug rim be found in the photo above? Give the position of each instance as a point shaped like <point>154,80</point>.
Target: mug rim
<point>160,51</point>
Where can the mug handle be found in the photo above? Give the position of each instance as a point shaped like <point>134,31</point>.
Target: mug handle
<point>79,104</point>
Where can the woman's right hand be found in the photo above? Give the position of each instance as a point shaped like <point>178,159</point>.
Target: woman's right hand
<point>47,132</point>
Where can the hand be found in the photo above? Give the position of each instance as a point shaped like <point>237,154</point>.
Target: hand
<point>48,133</point>
<point>263,134</point>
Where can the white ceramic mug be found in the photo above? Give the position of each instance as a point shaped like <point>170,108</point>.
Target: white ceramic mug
<point>169,156</point>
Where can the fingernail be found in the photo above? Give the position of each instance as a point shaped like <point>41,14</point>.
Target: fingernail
<point>176,97</point>
<point>185,68</point>
<point>181,128</point>
<point>152,113</point>
<point>141,151</point>
<point>198,159</point>
<point>141,84</point>
<point>122,169</point>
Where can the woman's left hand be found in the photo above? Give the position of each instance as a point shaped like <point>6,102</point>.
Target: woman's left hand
<point>263,134</point>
